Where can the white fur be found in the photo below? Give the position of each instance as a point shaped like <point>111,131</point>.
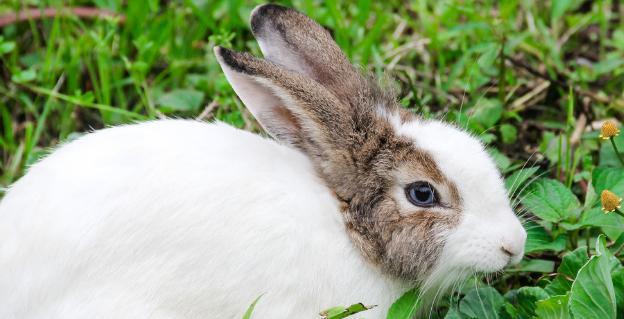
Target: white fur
<point>182,219</point>
<point>178,219</point>
<point>488,223</point>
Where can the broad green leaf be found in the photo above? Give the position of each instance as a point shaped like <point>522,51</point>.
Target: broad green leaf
<point>550,200</point>
<point>482,303</point>
<point>618,245</point>
<point>509,133</point>
<point>602,250</point>
<point>618,286</point>
<point>251,308</point>
<point>487,138</point>
<point>342,312</point>
<point>6,47</point>
<point>511,310</point>
<point>488,56</point>
<point>607,65</point>
<point>555,307</point>
<point>559,285</point>
<point>612,224</point>
<point>405,307</point>
<point>610,178</point>
<point>569,267</point>
<point>24,76</point>
<point>534,265</point>
<point>592,294</point>
<point>558,8</point>
<point>453,313</point>
<point>538,239</point>
<point>181,100</point>
<point>333,311</point>
<point>573,261</point>
<point>607,154</point>
<point>487,112</point>
<point>526,298</point>
<point>515,183</point>
<point>502,161</point>
<point>571,226</point>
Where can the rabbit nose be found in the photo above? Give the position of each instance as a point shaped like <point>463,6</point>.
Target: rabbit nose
<point>512,242</point>
<point>507,252</point>
<point>515,255</point>
<point>514,249</point>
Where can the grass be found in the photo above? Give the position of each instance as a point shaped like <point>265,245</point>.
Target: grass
<point>65,75</point>
<point>533,79</point>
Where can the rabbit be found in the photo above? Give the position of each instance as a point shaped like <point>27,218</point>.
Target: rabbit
<point>351,198</point>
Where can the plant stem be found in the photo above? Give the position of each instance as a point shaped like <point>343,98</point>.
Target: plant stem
<point>617,152</point>
<point>501,73</point>
<point>619,212</point>
<point>574,239</point>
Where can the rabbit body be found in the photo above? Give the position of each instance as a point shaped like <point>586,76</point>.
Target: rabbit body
<point>178,219</point>
<point>358,201</point>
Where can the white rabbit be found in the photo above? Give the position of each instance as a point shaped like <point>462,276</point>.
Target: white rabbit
<point>357,201</point>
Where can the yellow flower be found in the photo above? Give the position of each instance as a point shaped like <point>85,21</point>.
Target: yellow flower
<point>610,201</point>
<point>608,130</point>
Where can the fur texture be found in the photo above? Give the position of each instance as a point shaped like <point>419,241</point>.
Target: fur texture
<point>177,219</point>
<point>172,219</point>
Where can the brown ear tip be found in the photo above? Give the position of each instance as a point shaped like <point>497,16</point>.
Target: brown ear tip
<point>220,52</point>
<point>262,13</point>
<point>217,50</point>
<point>236,61</point>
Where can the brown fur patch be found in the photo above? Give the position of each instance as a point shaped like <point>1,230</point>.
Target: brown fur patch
<point>311,43</point>
<point>354,149</point>
<point>405,243</point>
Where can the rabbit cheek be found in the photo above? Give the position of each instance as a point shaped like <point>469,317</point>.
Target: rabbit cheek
<point>412,237</point>
<point>416,243</point>
<point>402,239</point>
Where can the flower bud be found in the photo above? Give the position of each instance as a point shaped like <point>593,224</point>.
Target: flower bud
<point>608,130</point>
<point>610,201</point>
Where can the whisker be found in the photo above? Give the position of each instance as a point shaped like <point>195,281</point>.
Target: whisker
<point>531,181</point>
<point>512,189</point>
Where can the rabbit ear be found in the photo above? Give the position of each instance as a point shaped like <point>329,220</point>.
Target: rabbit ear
<point>291,39</point>
<point>290,106</point>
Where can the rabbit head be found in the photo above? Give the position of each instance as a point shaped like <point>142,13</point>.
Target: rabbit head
<point>421,199</point>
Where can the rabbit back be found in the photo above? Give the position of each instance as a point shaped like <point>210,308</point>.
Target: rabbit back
<point>177,218</point>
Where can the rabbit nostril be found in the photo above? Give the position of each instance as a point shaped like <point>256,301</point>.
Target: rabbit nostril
<point>507,251</point>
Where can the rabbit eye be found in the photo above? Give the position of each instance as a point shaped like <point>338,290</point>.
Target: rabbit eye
<point>421,194</point>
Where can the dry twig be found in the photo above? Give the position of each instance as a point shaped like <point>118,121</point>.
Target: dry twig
<point>36,14</point>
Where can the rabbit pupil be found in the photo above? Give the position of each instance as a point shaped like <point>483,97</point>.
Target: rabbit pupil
<point>421,194</point>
